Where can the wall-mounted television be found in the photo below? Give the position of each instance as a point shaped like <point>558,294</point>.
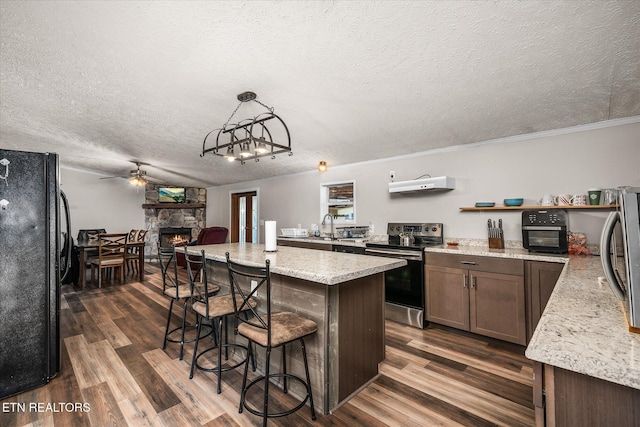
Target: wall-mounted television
<point>171,195</point>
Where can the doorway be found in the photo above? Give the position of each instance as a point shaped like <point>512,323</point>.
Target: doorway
<point>244,217</point>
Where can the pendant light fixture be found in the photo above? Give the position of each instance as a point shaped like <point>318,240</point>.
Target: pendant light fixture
<point>254,138</point>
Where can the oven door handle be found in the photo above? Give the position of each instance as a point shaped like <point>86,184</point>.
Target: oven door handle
<point>393,254</point>
<point>541,227</point>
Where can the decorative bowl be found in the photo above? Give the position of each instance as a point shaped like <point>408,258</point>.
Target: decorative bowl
<point>513,202</point>
<point>485,204</point>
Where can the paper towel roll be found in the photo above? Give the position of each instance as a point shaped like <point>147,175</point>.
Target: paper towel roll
<point>270,238</point>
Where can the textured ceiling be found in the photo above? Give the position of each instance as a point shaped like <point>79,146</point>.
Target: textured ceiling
<point>105,82</point>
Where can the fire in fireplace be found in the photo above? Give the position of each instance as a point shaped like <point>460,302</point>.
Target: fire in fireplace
<point>172,235</point>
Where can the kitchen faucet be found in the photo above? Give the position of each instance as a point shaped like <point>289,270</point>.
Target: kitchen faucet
<point>332,235</point>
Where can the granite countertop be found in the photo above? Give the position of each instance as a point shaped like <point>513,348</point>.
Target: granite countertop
<point>583,328</point>
<point>326,267</point>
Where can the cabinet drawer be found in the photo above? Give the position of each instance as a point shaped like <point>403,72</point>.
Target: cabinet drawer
<point>477,263</point>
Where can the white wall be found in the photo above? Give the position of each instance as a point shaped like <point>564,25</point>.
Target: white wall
<point>566,161</point>
<point>112,204</point>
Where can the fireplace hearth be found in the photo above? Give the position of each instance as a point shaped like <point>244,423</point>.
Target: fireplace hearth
<point>168,236</point>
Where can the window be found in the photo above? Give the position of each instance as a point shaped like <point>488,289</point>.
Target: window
<point>339,200</point>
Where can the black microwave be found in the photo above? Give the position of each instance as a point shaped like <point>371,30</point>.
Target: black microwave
<point>545,231</point>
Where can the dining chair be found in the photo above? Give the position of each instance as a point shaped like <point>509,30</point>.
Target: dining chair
<point>90,234</point>
<point>111,255</point>
<point>133,252</point>
<point>132,235</point>
<point>214,309</point>
<point>269,330</point>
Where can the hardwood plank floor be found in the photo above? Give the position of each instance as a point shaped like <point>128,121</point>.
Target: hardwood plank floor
<point>114,372</point>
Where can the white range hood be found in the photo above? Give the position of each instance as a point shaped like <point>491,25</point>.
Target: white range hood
<point>423,184</point>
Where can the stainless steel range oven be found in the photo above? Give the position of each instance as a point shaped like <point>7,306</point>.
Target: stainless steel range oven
<point>404,286</point>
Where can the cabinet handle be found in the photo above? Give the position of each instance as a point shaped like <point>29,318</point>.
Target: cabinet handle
<point>464,280</point>
<point>468,262</point>
<point>474,282</point>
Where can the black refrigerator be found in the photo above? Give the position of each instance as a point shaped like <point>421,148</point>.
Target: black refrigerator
<point>31,269</point>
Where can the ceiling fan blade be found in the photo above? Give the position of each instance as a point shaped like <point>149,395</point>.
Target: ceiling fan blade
<point>138,173</point>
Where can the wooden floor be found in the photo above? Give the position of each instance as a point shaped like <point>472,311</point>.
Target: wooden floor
<point>114,372</point>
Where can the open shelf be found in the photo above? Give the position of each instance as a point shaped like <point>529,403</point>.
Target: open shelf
<point>522,208</point>
<point>174,205</point>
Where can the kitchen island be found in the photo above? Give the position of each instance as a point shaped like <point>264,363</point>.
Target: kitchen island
<point>342,293</point>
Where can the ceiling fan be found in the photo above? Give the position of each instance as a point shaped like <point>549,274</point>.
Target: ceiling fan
<point>137,177</point>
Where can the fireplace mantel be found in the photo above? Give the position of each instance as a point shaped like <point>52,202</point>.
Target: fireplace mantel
<point>174,205</point>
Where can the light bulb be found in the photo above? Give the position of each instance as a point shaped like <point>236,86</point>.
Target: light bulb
<point>261,148</point>
<point>245,152</point>
<point>230,156</point>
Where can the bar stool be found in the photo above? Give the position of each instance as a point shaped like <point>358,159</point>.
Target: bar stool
<point>268,330</point>
<point>211,308</point>
<point>177,292</point>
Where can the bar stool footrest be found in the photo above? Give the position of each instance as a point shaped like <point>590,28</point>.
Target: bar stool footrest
<point>190,340</point>
<point>223,368</point>
<point>277,414</point>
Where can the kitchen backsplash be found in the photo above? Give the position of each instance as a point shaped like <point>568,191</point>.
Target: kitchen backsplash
<point>594,248</point>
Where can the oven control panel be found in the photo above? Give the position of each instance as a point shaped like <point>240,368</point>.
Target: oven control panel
<point>544,217</point>
<point>417,229</point>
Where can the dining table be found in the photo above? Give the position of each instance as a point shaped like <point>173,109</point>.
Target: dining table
<point>88,247</point>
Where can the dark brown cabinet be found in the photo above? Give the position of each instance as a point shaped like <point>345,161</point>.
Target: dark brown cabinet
<point>483,295</point>
<point>447,296</point>
<point>566,398</point>
<point>541,279</point>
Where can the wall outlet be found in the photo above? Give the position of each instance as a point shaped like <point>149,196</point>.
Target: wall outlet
<point>254,284</point>
<point>392,176</point>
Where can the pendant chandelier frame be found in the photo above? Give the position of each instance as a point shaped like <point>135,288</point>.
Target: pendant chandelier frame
<point>251,137</point>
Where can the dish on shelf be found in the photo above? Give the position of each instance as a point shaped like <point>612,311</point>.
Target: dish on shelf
<point>513,201</point>
<point>485,204</point>
<point>452,243</point>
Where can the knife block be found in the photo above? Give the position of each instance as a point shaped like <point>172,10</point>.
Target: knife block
<point>496,242</point>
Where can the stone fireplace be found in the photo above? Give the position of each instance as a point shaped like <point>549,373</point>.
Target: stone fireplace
<point>184,219</point>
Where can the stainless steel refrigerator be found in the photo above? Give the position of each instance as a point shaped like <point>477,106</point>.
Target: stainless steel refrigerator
<point>31,269</point>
